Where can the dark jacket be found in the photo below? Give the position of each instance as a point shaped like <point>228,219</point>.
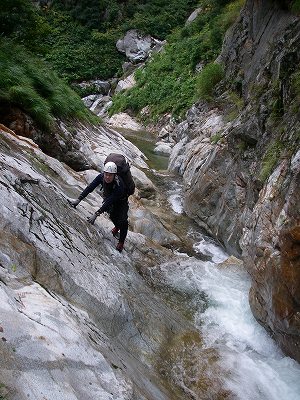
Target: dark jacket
<point>112,192</point>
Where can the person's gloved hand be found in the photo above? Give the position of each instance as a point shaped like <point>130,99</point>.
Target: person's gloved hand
<point>92,219</point>
<point>74,203</point>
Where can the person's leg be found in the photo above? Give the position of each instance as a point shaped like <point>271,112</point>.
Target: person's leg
<point>113,215</point>
<point>123,231</point>
<point>119,217</point>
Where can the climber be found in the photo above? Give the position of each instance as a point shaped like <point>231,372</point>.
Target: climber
<point>115,201</point>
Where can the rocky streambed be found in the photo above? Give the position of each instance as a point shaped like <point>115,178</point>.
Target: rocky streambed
<point>166,319</point>
<point>235,357</point>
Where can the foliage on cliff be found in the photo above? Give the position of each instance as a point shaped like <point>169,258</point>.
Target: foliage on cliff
<point>154,17</point>
<point>78,38</point>
<point>171,81</point>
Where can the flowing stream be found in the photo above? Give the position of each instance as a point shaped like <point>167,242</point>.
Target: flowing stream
<point>251,365</point>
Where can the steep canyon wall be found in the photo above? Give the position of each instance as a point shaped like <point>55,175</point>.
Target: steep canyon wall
<point>240,159</point>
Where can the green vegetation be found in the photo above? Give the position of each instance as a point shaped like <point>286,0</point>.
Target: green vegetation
<point>270,159</point>
<point>295,80</point>
<point>2,387</point>
<point>77,53</point>
<point>276,101</point>
<point>216,138</point>
<point>207,80</point>
<point>77,39</point>
<point>170,83</point>
<point>20,21</point>
<point>234,104</point>
<point>155,17</point>
<point>28,83</point>
<point>295,6</point>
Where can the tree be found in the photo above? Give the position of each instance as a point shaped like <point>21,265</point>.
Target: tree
<point>16,17</point>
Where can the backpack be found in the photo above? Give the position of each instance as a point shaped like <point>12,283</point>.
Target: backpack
<point>123,171</point>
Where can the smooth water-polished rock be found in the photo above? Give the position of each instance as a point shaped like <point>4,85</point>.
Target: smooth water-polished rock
<point>124,121</point>
<point>77,320</point>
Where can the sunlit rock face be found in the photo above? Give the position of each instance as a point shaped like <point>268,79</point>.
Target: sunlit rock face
<point>77,320</point>
<point>233,154</point>
<point>137,46</point>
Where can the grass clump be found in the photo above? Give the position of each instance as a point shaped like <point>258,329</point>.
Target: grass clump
<point>28,83</point>
<point>216,138</point>
<point>234,104</point>
<point>270,159</point>
<point>295,79</point>
<point>209,77</point>
<point>2,392</point>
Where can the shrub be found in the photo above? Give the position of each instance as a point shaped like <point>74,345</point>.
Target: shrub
<point>208,79</point>
<point>215,138</point>
<point>155,17</point>
<point>295,6</point>
<point>16,17</point>
<point>77,53</point>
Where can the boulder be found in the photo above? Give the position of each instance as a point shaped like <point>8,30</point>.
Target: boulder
<point>126,83</point>
<point>137,46</point>
<point>146,188</point>
<point>124,121</point>
<point>144,222</point>
<point>96,86</point>
<point>163,148</point>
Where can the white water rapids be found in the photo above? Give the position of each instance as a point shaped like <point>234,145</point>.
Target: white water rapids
<point>251,365</point>
<point>256,369</point>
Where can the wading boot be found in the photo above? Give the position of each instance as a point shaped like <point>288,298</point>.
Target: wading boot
<point>115,232</point>
<point>120,246</point>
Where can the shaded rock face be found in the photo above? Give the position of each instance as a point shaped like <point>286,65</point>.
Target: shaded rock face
<point>57,143</point>
<point>213,188</point>
<point>271,246</point>
<point>240,162</point>
<point>80,146</point>
<point>77,320</point>
<point>15,119</point>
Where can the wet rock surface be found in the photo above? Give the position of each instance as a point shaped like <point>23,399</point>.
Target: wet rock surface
<point>77,319</point>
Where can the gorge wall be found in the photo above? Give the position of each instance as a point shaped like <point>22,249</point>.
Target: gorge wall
<point>240,160</point>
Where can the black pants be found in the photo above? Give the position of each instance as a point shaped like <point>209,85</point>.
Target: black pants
<point>119,216</point>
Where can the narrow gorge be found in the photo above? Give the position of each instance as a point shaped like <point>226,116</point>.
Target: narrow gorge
<point>204,302</point>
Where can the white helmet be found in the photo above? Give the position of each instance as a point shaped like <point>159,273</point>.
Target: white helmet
<point>110,167</point>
